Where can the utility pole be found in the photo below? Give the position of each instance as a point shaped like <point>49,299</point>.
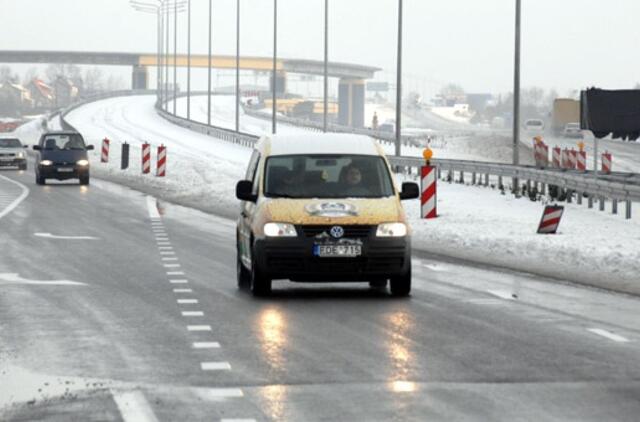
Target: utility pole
<point>189,60</point>
<point>175,56</point>
<point>275,55</point>
<point>237,65</point>
<point>209,70</point>
<point>326,65</point>
<point>516,95</point>
<point>398,150</point>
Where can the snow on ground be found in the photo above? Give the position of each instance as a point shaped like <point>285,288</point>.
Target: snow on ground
<point>475,223</point>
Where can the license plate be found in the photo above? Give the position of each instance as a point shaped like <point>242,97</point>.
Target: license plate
<point>337,251</point>
<point>65,170</point>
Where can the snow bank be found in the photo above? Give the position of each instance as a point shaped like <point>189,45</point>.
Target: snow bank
<point>475,223</point>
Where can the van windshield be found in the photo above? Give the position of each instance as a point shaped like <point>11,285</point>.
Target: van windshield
<point>63,141</point>
<point>327,176</point>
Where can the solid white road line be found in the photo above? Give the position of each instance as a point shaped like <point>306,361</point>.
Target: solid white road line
<point>215,366</point>
<point>609,335</point>
<point>51,236</point>
<point>192,313</point>
<point>178,281</point>
<point>152,207</point>
<point>18,200</point>
<point>219,393</point>
<point>133,406</point>
<point>182,291</point>
<point>14,278</point>
<point>503,294</point>
<point>199,327</point>
<point>187,301</point>
<point>171,265</point>
<point>206,345</point>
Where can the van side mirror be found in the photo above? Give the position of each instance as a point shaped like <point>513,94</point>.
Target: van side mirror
<point>244,191</point>
<point>37,147</point>
<point>90,147</point>
<point>409,191</point>
<point>25,146</point>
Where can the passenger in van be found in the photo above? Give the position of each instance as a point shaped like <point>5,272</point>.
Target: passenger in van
<point>353,183</point>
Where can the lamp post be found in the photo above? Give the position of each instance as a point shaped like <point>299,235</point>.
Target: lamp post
<point>189,60</point>
<point>399,84</point>
<point>237,65</point>
<point>516,94</point>
<point>209,69</point>
<point>275,55</point>
<point>326,66</point>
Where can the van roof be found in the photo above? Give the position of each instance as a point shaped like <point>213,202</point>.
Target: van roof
<point>314,143</point>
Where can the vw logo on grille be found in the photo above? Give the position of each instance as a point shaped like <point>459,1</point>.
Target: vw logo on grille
<point>337,232</point>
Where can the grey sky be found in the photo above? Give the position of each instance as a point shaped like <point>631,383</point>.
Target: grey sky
<point>567,44</point>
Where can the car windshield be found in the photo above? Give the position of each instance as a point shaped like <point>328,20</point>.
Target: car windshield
<point>10,143</point>
<point>63,141</point>
<point>534,123</point>
<point>327,176</point>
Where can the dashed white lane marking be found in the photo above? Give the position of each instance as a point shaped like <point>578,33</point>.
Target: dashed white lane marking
<point>51,236</point>
<point>171,265</point>
<point>219,393</point>
<point>165,248</point>
<point>182,291</point>
<point>609,335</point>
<point>133,406</point>
<point>198,327</point>
<point>179,281</point>
<point>206,345</point>
<point>18,200</point>
<point>167,253</point>
<point>192,313</point>
<point>152,206</point>
<point>160,240</point>
<point>215,366</point>
<point>164,243</point>
<point>167,258</point>
<point>175,273</point>
<point>187,301</point>
<point>503,294</point>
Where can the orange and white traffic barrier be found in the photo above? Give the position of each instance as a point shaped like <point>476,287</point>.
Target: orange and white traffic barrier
<point>607,162</point>
<point>146,158</point>
<point>582,161</point>
<point>550,219</point>
<point>557,152</point>
<point>104,156</point>
<point>428,198</point>
<point>162,161</point>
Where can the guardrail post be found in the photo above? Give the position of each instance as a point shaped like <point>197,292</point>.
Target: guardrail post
<point>602,201</point>
<point>473,178</point>
<point>500,182</point>
<point>451,175</point>
<point>628,211</point>
<point>614,206</point>
<point>590,201</point>
<point>569,196</point>
<point>579,198</point>
<point>486,179</point>
<point>543,189</point>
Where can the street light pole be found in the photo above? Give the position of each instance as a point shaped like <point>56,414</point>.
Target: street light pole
<point>275,55</point>
<point>399,84</point>
<point>166,62</point>
<point>516,94</point>
<point>175,57</point>
<point>237,65</point>
<point>326,66</point>
<point>189,60</point>
<point>209,70</point>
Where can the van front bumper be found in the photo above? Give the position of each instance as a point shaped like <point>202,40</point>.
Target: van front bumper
<point>63,172</point>
<point>293,259</point>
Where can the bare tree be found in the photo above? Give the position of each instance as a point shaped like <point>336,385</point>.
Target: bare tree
<point>93,80</point>
<point>30,75</point>
<point>7,75</point>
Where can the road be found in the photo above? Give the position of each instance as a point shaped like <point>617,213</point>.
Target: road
<point>114,306</point>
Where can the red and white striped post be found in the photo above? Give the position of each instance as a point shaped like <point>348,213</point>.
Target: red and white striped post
<point>104,156</point>
<point>582,160</point>
<point>146,158</point>
<point>557,152</point>
<point>550,219</point>
<point>544,155</point>
<point>564,158</point>
<point>607,162</point>
<point>162,161</point>
<point>428,179</point>
<point>573,158</point>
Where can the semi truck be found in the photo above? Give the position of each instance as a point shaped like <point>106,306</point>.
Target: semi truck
<point>565,111</point>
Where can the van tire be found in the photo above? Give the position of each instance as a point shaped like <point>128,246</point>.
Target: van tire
<point>400,286</point>
<point>40,180</point>
<point>244,275</point>
<point>84,180</point>
<point>259,284</point>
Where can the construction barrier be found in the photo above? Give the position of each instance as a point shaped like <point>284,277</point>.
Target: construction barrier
<point>146,158</point>
<point>573,158</point>
<point>162,161</point>
<point>104,157</point>
<point>550,219</point>
<point>540,153</point>
<point>607,162</point>
<point>428,198</point>
<point>557,152</point>
<point>564,158</point>
<point>582,161</point>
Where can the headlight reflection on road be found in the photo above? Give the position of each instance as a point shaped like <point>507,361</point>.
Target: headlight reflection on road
<point>401,357</point>
<point>272,335</point>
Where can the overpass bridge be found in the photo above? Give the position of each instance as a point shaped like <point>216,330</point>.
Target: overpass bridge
<point>352,77</point>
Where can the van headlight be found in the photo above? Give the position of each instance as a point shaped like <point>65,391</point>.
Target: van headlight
<point>82,163</point>
<point>46,162</point>
<point>279,230</point>
<point>21,155</point>
<point>392,230</point>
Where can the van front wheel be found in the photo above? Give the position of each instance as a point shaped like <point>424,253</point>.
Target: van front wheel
<point>400,286</point>
<point>260,284</point>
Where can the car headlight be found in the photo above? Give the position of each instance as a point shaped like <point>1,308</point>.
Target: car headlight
<point>279,230</point>
<point>46,162</point>
<point>82,163</point>
<point>392,230</point>
<point>21,155</point>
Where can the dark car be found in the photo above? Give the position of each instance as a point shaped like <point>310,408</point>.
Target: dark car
<point>62,156</point>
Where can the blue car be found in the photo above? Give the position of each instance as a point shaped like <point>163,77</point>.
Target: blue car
<point>62,156</point>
